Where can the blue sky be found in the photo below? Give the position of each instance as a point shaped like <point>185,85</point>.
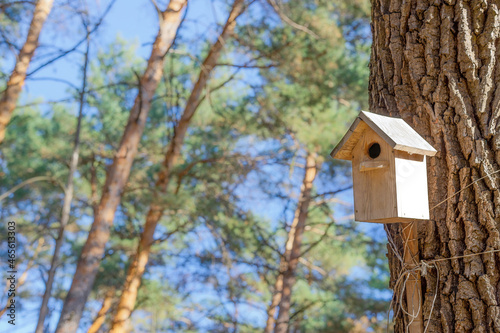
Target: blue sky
<point>133,20</point>
<point>136,22</point>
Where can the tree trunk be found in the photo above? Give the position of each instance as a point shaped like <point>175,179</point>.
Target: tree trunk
<point>435,64</point>
<point>118,173</point>
<point>101,315</point>
<point>68,197</point>
<point>275,301</point>
<point>16,81</point>
<point>155,212</point>
<point>293,244</point>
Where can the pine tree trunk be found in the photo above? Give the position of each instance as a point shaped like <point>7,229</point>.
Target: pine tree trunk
<point>137,267</point>
<point>101,315</point>
<point>118,173</point>
<point>435,64</point>
<point>275,301</point>
<point>293,244</point>
<point>68,197</point>
<point>16,81</point>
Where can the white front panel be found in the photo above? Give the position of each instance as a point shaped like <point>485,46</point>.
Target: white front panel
<point>411,189</point>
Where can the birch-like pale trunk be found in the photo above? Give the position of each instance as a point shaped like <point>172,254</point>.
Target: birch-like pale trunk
<point>118,172</point>
<point>15,84</point>
<point>137,267</point>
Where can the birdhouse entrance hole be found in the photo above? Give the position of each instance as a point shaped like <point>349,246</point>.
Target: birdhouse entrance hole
<point>389,169</point>
<point>391,187</point>
<point>374,150</point>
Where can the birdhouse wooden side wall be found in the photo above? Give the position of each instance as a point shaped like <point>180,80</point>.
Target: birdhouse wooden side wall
<point>374,182</point>
<point>411,186</point>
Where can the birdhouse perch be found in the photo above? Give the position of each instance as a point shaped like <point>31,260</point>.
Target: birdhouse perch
<point>388,168</point>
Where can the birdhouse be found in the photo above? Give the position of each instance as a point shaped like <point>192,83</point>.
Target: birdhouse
<point>389,169</point>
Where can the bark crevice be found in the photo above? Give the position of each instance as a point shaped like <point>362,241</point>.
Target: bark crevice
<point>435,65</point>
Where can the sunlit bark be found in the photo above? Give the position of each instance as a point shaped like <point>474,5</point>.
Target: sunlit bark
<point>68,197</point>
<point>140,260</point>
<point>15,84</point>
<point>293,245</point>
<point>118,172</point>
<point>436,65</point>
<point>101,315</point>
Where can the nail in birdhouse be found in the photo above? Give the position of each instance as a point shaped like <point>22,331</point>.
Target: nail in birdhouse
<point>388,169</point>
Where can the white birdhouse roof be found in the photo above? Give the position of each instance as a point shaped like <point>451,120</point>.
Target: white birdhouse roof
<point>395,131</point>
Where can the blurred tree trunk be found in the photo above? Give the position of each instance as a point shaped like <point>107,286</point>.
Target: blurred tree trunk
<point>137,267</point>
<point>290,259</point>
<point>68,197</point>
<point>275,301</point>
<point>435,64</point>
<point>101,315</point>
<point>118,172</point>
<point>15,84</point>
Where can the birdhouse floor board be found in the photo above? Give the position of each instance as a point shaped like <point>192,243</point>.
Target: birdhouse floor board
<point>388,220</point>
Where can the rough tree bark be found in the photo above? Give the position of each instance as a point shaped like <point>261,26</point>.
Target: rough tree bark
<point>156,209</point>
<point>118,172</point>
<point>435,64</point>
<point>288,264</point>
<point>15,84</point>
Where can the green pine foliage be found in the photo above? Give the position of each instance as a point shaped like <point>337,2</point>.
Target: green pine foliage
<point>234,189</point>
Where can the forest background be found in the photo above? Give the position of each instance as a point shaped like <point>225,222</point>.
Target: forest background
<point>252,197</point>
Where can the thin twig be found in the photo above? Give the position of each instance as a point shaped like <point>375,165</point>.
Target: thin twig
<point>289,21</point>
<point>24,183</point>
<point>77,45</point>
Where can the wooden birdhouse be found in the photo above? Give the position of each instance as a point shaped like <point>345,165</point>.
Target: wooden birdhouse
<point>388,169</point>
